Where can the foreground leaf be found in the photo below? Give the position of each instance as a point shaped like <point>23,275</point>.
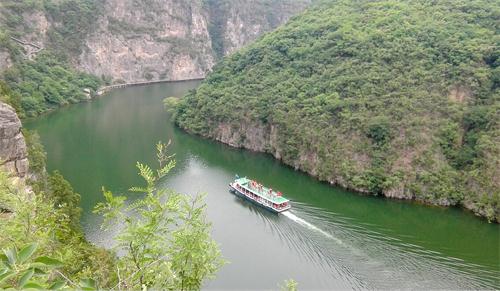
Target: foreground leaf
<point>33,285</point>
<point>88,284</point>
<point>49,261</point>
<point>11,255</point>
<point>57,285</point>
<point>26,252</point>
<point>25,278</point>
<point>4,259</point>
<point>6,276</point>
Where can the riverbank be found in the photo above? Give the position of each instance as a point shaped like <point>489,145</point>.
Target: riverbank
<point>329,94</point>
<point>105,89</point>
<point>265,141</point>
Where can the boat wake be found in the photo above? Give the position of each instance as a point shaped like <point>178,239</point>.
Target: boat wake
<point>370,258</point>
<point>311,226</point>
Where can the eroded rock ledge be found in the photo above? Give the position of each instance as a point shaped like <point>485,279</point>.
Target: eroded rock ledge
<point>13,151</point>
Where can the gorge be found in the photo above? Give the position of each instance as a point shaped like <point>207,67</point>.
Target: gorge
<point>142,40</point>
<point>331,102</point>
<point>336,239</point>
<point>54,53</point>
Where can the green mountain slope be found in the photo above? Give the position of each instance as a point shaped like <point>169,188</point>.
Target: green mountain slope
<point>46,83</point>
<point>394,98</point>
<point>44,78</point>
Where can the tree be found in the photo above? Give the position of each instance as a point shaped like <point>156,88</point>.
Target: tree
<point>171,104</point>
<point>65,198</point>
<point>20,271</point>
<point>28,216</point>
<point>165,237</point>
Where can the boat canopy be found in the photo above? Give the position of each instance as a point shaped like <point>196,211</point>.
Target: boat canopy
<point>261,191</point>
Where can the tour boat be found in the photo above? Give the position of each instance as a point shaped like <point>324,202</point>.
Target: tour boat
<point>260,195</point>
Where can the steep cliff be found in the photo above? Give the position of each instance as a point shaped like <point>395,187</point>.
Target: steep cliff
<point>5,59</point>
<point>157,40</point>
<point>393,98</point>
<point>13,152</point>
<point>171,39</point>
<point>235,23</point>
<point>132,40</point>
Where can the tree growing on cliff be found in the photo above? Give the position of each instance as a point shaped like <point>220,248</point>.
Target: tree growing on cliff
<point>165,237</point>
<point>170,104</point>
<point>32,217</point>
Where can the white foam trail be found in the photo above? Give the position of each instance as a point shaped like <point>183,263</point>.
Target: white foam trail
<point>302,222</point>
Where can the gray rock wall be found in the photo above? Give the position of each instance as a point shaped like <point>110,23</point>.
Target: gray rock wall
<point>13,151</point>
<point>148,40</point>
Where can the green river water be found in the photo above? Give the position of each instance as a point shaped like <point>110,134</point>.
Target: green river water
<point>330,239</point>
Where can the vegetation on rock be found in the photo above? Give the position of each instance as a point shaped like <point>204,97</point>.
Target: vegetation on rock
<point>398,98</point>
<point>73,20</point>
<point>49,215</point>
<point>166,240</point>
<point>46,80</point>
<point>46,83</point>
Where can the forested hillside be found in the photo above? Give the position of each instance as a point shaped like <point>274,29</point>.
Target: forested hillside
<point>40,74</point>
<point>45,83</point>
<point>393,98</point>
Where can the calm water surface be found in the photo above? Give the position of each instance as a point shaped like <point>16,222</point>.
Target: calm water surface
<point>331,239</point>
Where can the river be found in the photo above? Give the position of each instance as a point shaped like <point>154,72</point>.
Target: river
<point>332,238</point>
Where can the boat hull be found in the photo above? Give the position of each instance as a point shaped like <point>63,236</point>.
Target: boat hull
<point>238,193</point>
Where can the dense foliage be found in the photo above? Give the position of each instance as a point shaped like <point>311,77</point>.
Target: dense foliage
<point>165,237</point>
<point>45,83</point>
<point>45,80</point>
<point>11,17</point>
<point>73,21</point>
<point>399,98</point>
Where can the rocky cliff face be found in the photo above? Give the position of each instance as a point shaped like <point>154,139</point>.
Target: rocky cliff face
<point>233,24</point>
<point>161,40</point>
<point>142,40</point>
<point>258,137</point>
<point>13,152</point>
<point>175,40</point>
<point>5,60</point>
